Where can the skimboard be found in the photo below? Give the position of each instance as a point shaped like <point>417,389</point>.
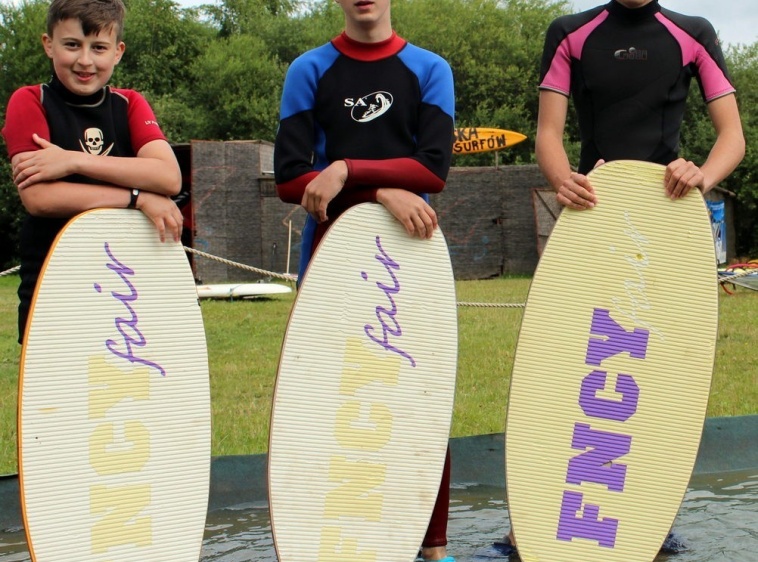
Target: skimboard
<point>114,404</point>
<point>241,290</point>
<point>364,394</point>
<point>471,140</point>
<point>612,373</point>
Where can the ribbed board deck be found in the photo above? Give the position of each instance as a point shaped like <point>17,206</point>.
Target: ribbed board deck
<point>612,373</point>
<point>114,416</point>
<point>364,395</point>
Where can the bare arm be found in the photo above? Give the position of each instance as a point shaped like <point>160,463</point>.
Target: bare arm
<point>56,198</point>
<point>572,189</point>
<point>158,170</point>
<point>726,154</point>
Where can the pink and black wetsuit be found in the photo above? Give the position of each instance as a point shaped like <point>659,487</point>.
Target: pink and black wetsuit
<point>629,72</point>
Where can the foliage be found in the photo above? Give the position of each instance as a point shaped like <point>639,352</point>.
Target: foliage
<point>161,43</point>
<point>22,59</point>
<point>242,86</point>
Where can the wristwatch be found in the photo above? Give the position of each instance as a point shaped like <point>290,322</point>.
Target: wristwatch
<point>133,199</point>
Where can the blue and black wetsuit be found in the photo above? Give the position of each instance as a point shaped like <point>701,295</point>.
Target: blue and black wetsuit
<point>385,108</point>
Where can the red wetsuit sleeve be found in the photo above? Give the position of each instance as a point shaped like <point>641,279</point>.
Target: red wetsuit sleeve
<point>405,173</point>
<point>143,126</point>
<point>24,117</point>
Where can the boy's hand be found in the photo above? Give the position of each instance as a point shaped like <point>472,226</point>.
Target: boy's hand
<point>323,188</point>
<point>682,176</point>
<point>415,214</point>
<point>576,191</point>
<point>164,213</point>
<point>49,163</point>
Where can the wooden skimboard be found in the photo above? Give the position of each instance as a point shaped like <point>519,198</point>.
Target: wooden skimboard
<point>612,373</point>
<point>364,395</point>
<point>471,140</point>
<point>241,290</point>
<point>114,405</point>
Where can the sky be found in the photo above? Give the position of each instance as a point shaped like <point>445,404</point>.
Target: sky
<point>736,21</point>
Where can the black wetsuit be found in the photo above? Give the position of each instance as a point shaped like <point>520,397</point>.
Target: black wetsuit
<point>112,122</point>
<point>629,72</point>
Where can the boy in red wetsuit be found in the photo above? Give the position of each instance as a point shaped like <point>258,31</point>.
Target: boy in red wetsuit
<point>73,141</point>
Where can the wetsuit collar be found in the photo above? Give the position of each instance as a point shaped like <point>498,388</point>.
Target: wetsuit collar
<point>71,98</point>
<point>368,52</point>
<point>633,14</point>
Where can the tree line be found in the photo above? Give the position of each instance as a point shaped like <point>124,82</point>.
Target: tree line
<point>215,72</point>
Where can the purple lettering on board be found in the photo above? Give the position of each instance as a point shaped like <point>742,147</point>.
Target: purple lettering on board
<point>131,336</point>
<point>387,317</point>
<point>606,408</point>
<point>588,526</point>
<point>596,463</point>
<point>615,339</point>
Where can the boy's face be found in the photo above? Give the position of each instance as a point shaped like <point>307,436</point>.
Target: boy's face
<point>366,13</point>
<point>84,64</point>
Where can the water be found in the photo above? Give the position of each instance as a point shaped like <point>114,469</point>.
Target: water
<point>718,520</point>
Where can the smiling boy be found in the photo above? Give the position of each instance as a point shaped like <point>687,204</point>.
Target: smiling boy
<point>72,141</point>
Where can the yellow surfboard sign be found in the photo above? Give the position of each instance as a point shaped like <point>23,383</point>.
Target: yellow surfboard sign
<point>471,140</point>
<point>114,398</point>
<point>612,372</point>
<point>364,394</point>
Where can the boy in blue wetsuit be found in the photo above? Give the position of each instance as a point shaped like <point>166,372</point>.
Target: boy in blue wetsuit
<point>368,117</point>
<point>73,141</point>
<point>628,66</point>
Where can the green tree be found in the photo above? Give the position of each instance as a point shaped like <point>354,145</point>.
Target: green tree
<point>161,41</point>
<point>238,85</point>
<point>22,58</point>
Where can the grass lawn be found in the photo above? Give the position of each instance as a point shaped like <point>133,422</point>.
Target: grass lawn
<point>245,337</point>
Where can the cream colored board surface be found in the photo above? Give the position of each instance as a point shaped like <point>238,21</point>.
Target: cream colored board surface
<point>364,395</point>
<point>612,373</point>
<point>114,416</point>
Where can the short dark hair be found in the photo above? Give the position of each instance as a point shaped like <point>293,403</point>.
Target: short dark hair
<point>94,15</point>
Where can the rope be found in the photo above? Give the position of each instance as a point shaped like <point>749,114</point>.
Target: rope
<point>736,275</point>
<point>285,276</point>
<point>290,277</point>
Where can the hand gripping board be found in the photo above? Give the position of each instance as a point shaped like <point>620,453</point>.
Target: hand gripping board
<point>364,395</point>
<point>612,372</point>
<point>114,416</point>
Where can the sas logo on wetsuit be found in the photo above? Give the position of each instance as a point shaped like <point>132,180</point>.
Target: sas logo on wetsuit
<point>369,107</point>
<point>630,54</point>
<point>94,142</point>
